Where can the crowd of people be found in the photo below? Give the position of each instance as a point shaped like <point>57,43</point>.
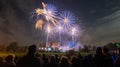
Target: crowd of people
<point>102,58</point>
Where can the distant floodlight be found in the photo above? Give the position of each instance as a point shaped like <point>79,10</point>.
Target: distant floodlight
<point>49,49</point>
<point>39,48</point>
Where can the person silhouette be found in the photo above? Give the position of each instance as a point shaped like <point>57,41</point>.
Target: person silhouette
<point>64,62</point>
<point>29,60</point>
<point>98,58</point>
<point>108,62</point>
<point>9,61</point>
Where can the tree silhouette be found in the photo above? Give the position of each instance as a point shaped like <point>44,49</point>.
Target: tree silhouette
<point>12,46</point>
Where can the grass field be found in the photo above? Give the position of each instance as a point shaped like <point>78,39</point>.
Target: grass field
<point>20,54</point>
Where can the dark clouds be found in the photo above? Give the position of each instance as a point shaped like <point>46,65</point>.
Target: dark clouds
<point>14,24</point>
<point>100,19</point>
<point>108,28</point>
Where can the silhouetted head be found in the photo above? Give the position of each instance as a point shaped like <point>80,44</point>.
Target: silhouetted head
<point>105,50</point>
<point>52,58</point>
<point>56,56</point>
<point>64,59</point>
<point>99,50</point>
<point>9,58</point>
<point>32,49</point>
<point>75,60</point>
<point>1,60</point>
<point>118,51</point>
<point>43,55</point>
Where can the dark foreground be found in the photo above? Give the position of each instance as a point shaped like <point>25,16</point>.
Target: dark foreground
<point>102,58</point>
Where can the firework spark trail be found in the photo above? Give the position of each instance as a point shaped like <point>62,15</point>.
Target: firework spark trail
<point>67,20</point>
<point>59,30</point>
<point>48,33</point>
<point>56,25</point>
<point>48,11</point>
<point>39,24</point>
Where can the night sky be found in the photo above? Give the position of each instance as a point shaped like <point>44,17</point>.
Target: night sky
<point>100,20</point>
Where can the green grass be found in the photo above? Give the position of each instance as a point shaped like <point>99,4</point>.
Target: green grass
<point>4,54</point>
<point>20,54</point>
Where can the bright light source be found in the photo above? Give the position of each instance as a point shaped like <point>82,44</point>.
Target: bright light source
<point>73,31</point>
<point>66,20</point>
<point>39,11</point>
<point>48,29</point>
<point>39,48</point>
<point>67,47</point>
<point>49,49</point>
<point>59,27</point>
<point>49,12</point>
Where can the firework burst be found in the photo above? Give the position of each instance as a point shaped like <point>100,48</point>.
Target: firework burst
<point>48,12</point>
<point>67,20</point>
<point>59,27</point>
